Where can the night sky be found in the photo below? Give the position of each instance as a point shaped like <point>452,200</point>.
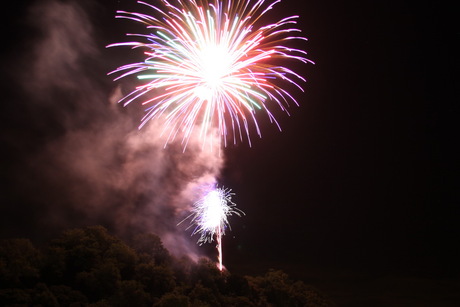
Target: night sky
<point>357,196</point>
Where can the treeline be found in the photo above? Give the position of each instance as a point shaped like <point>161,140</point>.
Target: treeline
<point>90,267</point>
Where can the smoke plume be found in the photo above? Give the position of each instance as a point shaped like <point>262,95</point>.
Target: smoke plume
<point>89,164</point>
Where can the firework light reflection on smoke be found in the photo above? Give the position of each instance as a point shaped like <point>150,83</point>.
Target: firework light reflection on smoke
<point>208,64</point>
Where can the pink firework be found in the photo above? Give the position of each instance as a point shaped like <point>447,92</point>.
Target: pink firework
<point>211,65</point>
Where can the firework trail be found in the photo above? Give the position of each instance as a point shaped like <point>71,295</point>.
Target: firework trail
<point>208,64</point>
<point>210,216</point>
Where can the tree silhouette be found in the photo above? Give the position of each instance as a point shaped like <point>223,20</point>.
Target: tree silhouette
<point>19,263</point>
<point>90,267</point>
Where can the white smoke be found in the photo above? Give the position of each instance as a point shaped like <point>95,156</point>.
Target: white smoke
<point>98,168</point>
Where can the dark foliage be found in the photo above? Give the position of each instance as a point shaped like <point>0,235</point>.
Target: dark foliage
<point>90,267</point>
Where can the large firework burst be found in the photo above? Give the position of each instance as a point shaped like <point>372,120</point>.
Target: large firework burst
<point>209,64</point>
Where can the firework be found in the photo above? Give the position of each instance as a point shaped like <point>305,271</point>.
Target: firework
<point>210,65</point>
<point>210,217</point>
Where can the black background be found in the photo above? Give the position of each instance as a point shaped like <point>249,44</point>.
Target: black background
<point>358,195</point>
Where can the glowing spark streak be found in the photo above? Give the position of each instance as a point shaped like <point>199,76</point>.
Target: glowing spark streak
<point>212,66</point>
<point>210,217</point>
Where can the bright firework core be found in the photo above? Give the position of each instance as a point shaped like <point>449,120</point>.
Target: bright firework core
<point>214,210</point>
<point>215,61</point>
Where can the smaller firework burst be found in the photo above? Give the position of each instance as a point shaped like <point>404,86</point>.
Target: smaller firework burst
<point>210,216</point>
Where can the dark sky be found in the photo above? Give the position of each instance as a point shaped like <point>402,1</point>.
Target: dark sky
<point>358,195</point>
